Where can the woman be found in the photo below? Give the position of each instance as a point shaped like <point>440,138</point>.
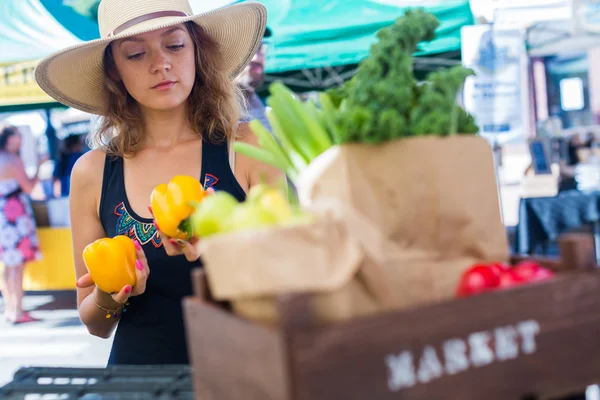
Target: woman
<point>162,78</point>
<point>18,237</point>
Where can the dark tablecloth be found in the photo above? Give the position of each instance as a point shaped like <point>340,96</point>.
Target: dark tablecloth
<point>543,219</point>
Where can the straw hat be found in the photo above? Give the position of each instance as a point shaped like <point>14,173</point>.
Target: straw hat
<point>74,76</point>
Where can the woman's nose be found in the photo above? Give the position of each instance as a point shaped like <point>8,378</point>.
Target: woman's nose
<point>160,63</point>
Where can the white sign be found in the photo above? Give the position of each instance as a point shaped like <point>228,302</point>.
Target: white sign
<point>407,369</point>
<point>495,96</point>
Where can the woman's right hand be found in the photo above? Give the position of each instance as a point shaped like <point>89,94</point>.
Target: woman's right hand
<point>141,272</point>
<point>175,247</point>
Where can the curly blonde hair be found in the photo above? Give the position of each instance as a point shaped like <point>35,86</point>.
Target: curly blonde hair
<point>215,102</point>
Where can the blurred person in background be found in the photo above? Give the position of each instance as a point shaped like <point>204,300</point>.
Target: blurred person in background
<point>18,232</point>
<point>590,140</point>
<point>251,79</point>
<point>73,148</point>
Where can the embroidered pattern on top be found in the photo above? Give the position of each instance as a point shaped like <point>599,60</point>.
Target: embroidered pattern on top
<point>141,231</point>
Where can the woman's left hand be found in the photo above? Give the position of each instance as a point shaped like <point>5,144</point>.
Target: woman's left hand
<point>176,247</point>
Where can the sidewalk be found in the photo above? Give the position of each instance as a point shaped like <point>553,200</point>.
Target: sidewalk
<point>59,340</point>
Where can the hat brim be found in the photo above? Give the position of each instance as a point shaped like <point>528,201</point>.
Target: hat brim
<point>75,77</point>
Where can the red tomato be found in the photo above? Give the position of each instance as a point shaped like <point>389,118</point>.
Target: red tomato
<point>499,268</point>
<point>509,279</point>
<point>530,271</point>
<point>477,279</point>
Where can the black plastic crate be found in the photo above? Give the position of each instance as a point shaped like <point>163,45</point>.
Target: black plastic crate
<point>156,382</point>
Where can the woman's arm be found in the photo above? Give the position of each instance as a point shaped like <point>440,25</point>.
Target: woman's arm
<point>20,175</point>
<point>86,188</point>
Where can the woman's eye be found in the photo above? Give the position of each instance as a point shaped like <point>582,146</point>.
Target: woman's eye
<point>136,56</point>
<point>176,47</point>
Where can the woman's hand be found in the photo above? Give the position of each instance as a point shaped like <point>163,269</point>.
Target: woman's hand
<point>141,273</point>
<point>175,247</point>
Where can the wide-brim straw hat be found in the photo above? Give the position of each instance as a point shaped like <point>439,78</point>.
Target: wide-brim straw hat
<point>74,76</point>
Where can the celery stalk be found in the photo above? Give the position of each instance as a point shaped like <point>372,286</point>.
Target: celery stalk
<point>291,127</point>
<point>269,144</point>
<point>297,159</point>
<point>264,156</point>
<point>312,120</point>
<point>257,153</point>
<point>286,109</point>
<point>329,112</point>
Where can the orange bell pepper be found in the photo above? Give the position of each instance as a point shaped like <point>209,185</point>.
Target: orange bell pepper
<point>111,263</point>
<point>173,203</point>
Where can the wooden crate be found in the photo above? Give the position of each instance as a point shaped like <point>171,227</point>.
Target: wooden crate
<point>536,341</point>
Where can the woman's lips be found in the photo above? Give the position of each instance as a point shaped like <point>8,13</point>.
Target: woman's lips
<point>164,85</point>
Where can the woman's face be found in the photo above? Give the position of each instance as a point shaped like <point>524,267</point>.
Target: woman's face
<point>157,68</point>
<point>13,144</point>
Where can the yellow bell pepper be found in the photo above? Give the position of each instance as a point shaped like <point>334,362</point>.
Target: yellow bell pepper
<point>111,263</point>
<point>172,204</point>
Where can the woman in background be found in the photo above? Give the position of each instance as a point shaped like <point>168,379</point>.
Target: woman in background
<point>18,236</point>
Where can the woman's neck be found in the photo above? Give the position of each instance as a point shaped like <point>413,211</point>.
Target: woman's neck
<point>165,128</point>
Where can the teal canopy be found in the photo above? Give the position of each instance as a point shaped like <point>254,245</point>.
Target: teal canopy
<point>29,32</point>
<point>310,34</point>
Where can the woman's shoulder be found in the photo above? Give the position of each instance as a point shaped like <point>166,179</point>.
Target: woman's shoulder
<point>10,164</point>
<point>89,168</point>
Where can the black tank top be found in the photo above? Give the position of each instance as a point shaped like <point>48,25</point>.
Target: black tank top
<point>151,331</point>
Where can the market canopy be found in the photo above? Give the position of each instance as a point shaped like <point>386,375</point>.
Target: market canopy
<point>317,44</point>
<point>314,43</point>
<point>311,34</point>
<point>28,32</point>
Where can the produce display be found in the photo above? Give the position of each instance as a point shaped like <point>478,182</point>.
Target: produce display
<point>174,202</point>
<point>480,278</point>
<point>383,101</point>
<point>111,263</point>
<point>265,206</point>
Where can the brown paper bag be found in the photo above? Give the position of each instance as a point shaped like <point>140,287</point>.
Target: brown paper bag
<point>251,269</point>
<point>424,208</point>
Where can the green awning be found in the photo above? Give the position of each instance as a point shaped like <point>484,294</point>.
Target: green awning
<point>310,34</point>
